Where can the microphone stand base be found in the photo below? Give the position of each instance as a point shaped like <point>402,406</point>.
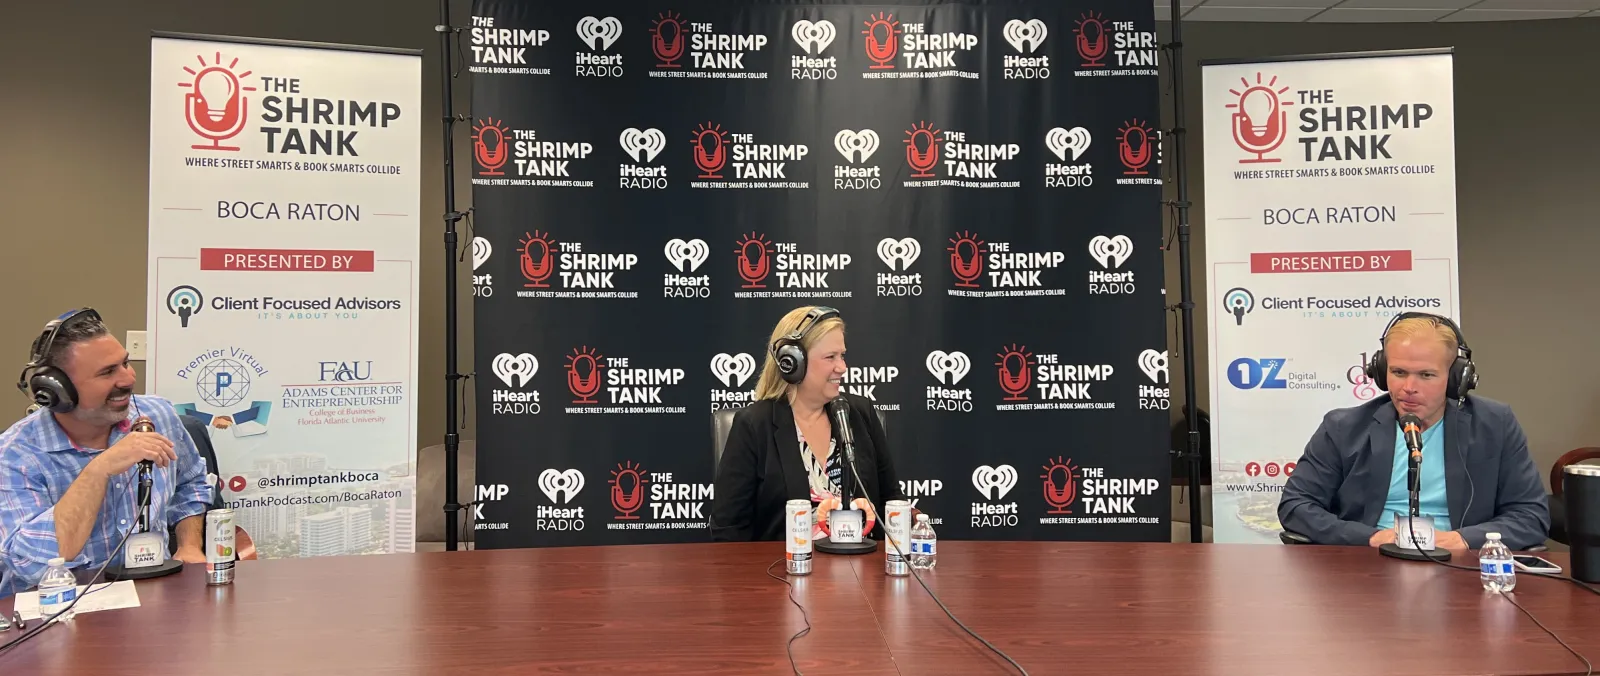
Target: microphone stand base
<point>166,568</point>
<point>848,548</point>
<point>1398,552</point>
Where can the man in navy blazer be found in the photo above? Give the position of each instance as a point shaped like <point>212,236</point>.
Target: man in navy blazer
<point>1477,474</point>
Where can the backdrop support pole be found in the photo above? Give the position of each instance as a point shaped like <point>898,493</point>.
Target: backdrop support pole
<point>452,437</point>
<point>1191,453</point>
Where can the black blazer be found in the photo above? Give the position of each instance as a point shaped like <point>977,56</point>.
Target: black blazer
<point>761,469</point>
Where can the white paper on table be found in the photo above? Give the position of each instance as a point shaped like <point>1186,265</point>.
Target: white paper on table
<point>106,596</point>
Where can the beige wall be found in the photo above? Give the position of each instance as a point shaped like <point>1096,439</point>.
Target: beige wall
<point>73,183</point>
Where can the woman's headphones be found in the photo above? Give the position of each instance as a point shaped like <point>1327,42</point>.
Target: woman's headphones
<point>47,385</point>
<point>1463,373</point>
<point>788,351</point>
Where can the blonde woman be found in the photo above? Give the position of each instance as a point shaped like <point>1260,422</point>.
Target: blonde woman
<point>783,447</point>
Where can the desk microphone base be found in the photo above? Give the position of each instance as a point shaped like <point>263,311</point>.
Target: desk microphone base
<point>1398,552</point>
<point>830,547</point>
<point>144,573</point>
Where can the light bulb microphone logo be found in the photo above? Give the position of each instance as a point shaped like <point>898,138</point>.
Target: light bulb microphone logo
<point>1133,144</point>
<point>755,260</point>
<point>1015,371</point>
<point>710,149</point>
<point>1092,43</point>
<point>966,259</point>
<point>1240,302</point>
<point>489,147</point>
<point>667,41</point>
<point>185,301</point>
<point>627,490</point>
<point>1060,485</point>
<point>922,149</point>
<point>537,260</point>
<point>583,375</point>
<point>1259,123</point>
<point>883,40</point>
<point>216,107</point>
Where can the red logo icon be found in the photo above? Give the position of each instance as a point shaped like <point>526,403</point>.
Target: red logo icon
<point>668,41</point>
<point>754,260</point>
<point>489,147</point>
<point>583,374</point>
<point>236,484</point>
<point>1060,485</point>
<point>710,149</point>
<point>1259,123</point>
<point>1015,371</point>
<point>627,490</point>
<point>1252,468</point>
<point>922,149</point>
<point>1134,147</point>
<point>883,40</point>
<point>1272,469</point>
<point>216,108</point>
<point>966,259</point>
<point>538,259</point>
<point>1288,468</point>
<point>1092,43</point>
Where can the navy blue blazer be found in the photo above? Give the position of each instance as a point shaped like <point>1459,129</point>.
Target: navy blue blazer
<point>1341,483</point>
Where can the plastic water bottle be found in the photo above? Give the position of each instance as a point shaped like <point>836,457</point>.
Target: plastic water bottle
<point>924,544</point>
<point>57,589</point>
<point>1494,565</point>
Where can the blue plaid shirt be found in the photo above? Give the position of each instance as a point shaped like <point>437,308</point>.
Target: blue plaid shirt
<point>38,463</point>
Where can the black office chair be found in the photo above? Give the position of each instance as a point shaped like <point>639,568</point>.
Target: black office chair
<point>722,426</point>
<point>1558,508</point>
<point>208,454</point>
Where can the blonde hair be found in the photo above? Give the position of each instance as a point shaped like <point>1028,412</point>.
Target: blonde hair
<point>771,385</point>
<point>1421,327</point>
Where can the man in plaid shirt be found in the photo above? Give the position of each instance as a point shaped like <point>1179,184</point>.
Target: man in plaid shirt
<point>68,471</point>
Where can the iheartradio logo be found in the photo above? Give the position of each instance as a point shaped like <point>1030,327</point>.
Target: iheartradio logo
<point>948,367</point>
<point>856,146</point>
<point>1110,252</point>
<point>1154,365</point>
<point>687,256</point>
<point>813,36</point>
<point>1259,123</point>
<point>994,482</point>
<point>733,370</point>
<point>515,370</point>
<point>1060,140</point>
<point>215,106</point>
<point>902,251</point>
<point>561,486</point>
<point>599,34</point>
<point>481,248</point>
<point>1025,36</point>
<point>642,146</point>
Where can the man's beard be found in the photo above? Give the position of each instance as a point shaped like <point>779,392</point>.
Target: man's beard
<point>105,413</point>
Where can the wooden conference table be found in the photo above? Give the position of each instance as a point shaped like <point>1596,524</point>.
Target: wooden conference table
<point>1058,608</point>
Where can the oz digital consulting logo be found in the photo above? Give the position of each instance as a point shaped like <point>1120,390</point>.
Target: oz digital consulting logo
<point>1238,301</point>
<point>185,301</point>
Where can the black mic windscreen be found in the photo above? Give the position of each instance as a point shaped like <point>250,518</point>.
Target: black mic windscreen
<point>839,408</point>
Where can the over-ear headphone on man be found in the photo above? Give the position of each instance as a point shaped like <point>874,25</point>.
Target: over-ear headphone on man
<point>788,351</point>
<point>47,385</point>
<point>1463,373</point>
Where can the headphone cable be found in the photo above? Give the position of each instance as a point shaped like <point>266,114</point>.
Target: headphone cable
<point>789,647</point>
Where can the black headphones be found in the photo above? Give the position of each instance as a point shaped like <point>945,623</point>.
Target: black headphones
<point>790,354</point>
<point>47,385</point>
<point>1463,373</point>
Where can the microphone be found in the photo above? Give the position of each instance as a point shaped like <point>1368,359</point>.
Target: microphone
<point>840,410</point>
<point>1411,426</point>
<point>144,555</point>
<point>839,419</point>
<point>1414,545</point>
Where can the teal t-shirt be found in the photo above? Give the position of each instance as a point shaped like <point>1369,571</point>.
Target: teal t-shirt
<point>1431,499</point>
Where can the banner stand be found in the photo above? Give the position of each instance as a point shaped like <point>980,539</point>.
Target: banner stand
<point>452,434</point>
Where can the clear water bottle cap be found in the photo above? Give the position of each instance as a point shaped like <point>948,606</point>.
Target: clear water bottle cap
<point>921,518</point>
<point>1493,536</point>
<point>58,561</point>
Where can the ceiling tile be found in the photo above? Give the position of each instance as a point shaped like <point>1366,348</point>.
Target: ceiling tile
<point>1209,13</point>
<point>1341,15</point>
<point>1405,4</point>
<point>1539,4</point>
<point>1509,14</point>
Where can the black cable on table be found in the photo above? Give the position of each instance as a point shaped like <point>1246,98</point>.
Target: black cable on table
<point>1511,596</point>
<point>789,648</point>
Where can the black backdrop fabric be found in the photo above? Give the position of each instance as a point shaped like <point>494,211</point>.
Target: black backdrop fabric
<point>974,185</point>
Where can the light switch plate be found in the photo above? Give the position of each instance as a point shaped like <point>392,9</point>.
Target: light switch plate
<point>137,344</point>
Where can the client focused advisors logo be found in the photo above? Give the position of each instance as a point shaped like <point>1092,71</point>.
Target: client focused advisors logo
<point>598,35</point>
<point>717,153</point>
<point>799,275</point>
<point>1154,366</point>
<point>994,483</point>
<point>562,487</point>
<point>1068,145</point>
<point>222,379</point>
<point>1110,253</point>
<point>1009,273</point>
<point>516,398</point>
<point>814,38</point>
<point>1239,302</point>
<point>966,164</point>
<point>856,147</point>
<point>686,257</point>
<point>614,385</point>
<point>185,301</point>
<point>672,505</point>
<point>642,146</point>
<point>1113,48</point>
<point>215,105</point>
<point>1027,38</point>
<point>482,285</point>
<point>911,51</point>
<point>581,274</point>
<point>733,372</point>
<point>1042,382</point>
<point>948,368</point>
<point>500,46</point>
<point>899,254</point>
<point>1247,373</point>
<point>1089,497</point>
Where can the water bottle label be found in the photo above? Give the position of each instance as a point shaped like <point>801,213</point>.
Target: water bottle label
<point>1487,567</point>
<point>924,547</point>
<point>62,596</point>
<point>1506,568</point>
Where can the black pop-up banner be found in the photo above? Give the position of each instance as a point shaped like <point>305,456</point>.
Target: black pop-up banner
<point>975,185</point>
